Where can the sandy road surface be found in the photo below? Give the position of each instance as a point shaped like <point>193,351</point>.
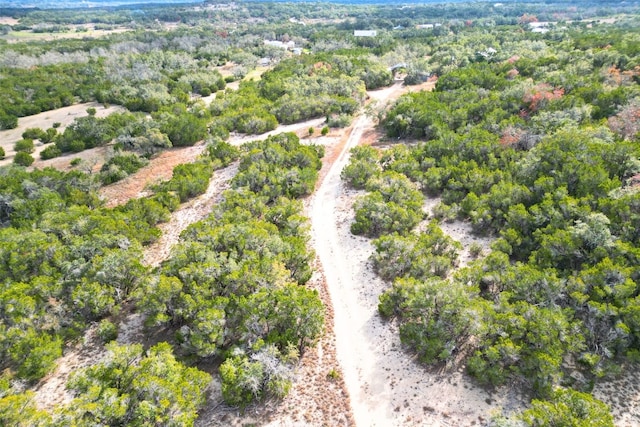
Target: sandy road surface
<point>239,139</point>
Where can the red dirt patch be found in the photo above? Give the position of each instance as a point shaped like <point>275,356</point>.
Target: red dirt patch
<point>159,168</point>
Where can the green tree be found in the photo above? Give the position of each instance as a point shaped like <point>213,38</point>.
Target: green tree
<point>23,159</point>
<point>20,410</point>
<point>265,373</point>
<point>184,129</point>
<point>375,216</point>
<point>434,318</point>
<point>138,387</point>
<point>33,133</point>
<point>34,353</point>
<point>50,152</point>
<point>362,166</point>
<point>432,253</point>
<point>568,407</point>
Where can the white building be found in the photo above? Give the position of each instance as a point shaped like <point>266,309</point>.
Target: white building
<point>365,33</point>
<point>282,45</point>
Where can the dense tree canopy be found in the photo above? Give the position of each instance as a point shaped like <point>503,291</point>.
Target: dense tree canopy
<point>234,287</point>
<point>530,149</point>
<point>530,137</point>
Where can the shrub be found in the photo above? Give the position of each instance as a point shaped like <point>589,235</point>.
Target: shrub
<point>48,136</point>
<point>189,180</point>
<point>2,153</point>
<point>339,121</point>
<point>475,249</point>
<point>127,162</point>
<point>325,130</point>
<point>444,212</point>
<point>222,151</point>
<point>25,145</point>
<point>168,200</point>
<point>568,407</point>
<point>362,166</point>
<point>76,146</point>
<point>185,130</point>
<point>35,354</point>
<point>107,331</point>
<point>263,374</point>
<point>33,133</point>
<point>113,174</point>
<point>242,381</point>
<point>8,121</point>
<point>23,159</point>
<point>333,375</point>
<point>121,166</point>
<point>374,217</point>
<point>219,131</point>
<point>135,387</point>
<point>50,152</point>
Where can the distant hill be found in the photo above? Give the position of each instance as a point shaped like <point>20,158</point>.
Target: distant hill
<point>67,4</point>
<point>63,4</point>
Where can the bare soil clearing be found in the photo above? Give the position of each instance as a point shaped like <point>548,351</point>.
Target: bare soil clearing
<point>7,20</point>
<point>65,116</point>
<point>90,32</point>
<point>623,397</point>
<point>459,231</point>
<point>51,390</point>
<point>159,168</point>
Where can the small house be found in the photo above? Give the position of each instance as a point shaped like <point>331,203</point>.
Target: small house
<point>365,33</point>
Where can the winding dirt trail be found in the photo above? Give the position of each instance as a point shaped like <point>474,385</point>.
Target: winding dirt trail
<point>386,387</point>
<point>187,214</point>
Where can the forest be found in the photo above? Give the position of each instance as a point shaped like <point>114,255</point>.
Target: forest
<point>529,136</point>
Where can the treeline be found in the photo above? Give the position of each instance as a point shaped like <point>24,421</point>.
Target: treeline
<point>376,12</point>
<point>530,149</point>
<point>298,89</point>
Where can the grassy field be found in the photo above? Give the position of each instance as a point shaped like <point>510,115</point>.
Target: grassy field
<point>27,36</point>
<point>256,73</point>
